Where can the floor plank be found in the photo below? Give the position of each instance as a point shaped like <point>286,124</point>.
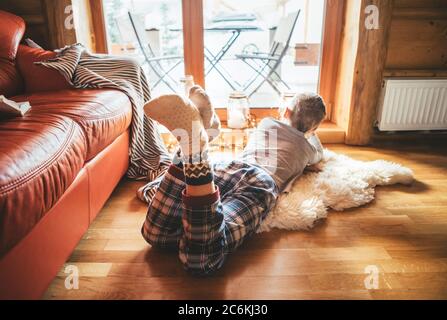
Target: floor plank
<point>402,233</point>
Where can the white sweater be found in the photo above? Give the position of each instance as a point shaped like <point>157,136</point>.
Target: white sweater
<point>282,151</point>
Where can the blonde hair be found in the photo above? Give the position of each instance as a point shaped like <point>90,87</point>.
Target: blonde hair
<point>306,111</point>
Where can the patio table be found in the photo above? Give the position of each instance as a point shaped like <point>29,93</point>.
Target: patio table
<point>236,28</point>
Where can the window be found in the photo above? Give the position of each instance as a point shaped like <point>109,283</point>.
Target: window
<point>231,45</point>
<point>151,32</point>
<point>245,48</point>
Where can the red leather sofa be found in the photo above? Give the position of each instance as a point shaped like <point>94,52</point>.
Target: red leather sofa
<point>58,165</point>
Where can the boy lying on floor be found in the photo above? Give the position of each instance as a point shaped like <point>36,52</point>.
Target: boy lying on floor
<point>206,211</point>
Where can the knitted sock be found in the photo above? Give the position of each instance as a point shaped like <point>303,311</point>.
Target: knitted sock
<point>210,119</point>
<point>197,169</point>
<point>182,118</point>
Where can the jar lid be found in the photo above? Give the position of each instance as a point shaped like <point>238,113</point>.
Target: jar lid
<point>187,77</point>
<point>288,94</point>
<point>238,95</point>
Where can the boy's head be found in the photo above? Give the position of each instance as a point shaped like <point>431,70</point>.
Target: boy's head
<point>306,112</point>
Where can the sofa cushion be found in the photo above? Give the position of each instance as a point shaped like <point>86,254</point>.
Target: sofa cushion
<point>11,82</point>
<point>102,114</point>
<point>40,156</point>
<point>12,29</point>
<point>39,78</point>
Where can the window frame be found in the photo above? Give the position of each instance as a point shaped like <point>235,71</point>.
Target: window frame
<point>193,47</point>
<point>331,40</point>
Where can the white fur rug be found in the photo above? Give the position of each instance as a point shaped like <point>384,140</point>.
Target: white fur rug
<point>342,183</point>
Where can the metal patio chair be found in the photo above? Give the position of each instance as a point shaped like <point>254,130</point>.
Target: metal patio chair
<point>155,63</point>
<point>265,65</point>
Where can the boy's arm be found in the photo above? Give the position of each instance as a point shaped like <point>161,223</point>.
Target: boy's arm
<point>317,149</point>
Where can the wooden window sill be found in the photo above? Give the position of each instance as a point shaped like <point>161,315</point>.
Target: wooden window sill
<point>328,133</point>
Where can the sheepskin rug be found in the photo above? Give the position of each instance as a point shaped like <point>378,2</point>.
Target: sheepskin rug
<point>342,183</point>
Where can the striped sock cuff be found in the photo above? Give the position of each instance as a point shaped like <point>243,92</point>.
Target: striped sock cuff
<point>198,173</point>
<point>197,169</point>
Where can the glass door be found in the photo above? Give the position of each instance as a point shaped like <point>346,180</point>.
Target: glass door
<point>265,48</point>
<point>151,32</point>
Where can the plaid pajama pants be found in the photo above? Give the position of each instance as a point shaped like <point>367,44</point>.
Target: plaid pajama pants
<point>205,229</point>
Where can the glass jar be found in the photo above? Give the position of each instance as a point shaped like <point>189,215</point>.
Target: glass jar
<point>238,110</point>
<point>286,100</point>
<point>186,83</point>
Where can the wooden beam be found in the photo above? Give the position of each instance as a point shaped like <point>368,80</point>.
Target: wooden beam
<point>346,62</point>
<point>368,75</point>
<point>362,64</point>
<point>333,24</point>
<point>193,43</point>
<point>98,22</point>
<point>59,17</point>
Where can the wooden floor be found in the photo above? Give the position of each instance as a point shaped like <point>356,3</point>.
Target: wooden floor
<point>403,232</point>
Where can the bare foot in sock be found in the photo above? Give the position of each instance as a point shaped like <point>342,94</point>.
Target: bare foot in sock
<point>183,119</point>
<point>210,119</point>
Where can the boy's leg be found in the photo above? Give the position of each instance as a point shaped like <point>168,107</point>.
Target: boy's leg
<point>162,227</point>
<point>213,227</point>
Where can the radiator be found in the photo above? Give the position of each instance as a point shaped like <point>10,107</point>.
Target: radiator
<point>409,104</point>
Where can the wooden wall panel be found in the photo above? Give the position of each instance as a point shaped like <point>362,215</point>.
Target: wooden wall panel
<point>411,42</point>
<point>44,21</point>
<point>419,3</point>
<point>33,13</point>
<point>417,46</point>
<point>418,35</point>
